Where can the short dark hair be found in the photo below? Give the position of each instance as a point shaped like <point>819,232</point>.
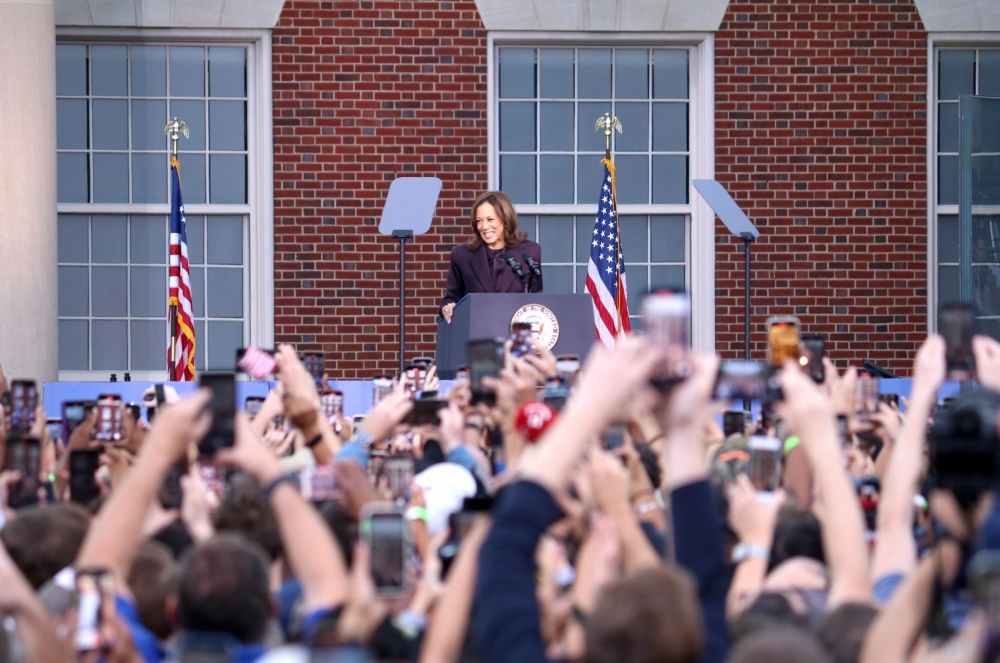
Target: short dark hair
<point>344,528</point>
<point>781,644</point>
<point>224,587</point>
<point>650,462</point>
<point>769,610</point>
<point>245,511</point>
<point>650,616</point>
<point>152,578</point>
<point>43,540</point>
<point>797,534</point>
<point>843,631</point>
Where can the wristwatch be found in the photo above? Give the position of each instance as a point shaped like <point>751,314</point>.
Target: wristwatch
<point>744,551</point>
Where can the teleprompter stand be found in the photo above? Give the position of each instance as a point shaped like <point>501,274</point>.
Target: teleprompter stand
<point>409,210</point>
<point>736,222</point>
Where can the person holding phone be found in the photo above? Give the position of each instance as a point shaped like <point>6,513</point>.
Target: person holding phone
<point>482,264</point>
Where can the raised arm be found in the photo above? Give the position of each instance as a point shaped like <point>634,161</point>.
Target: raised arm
<point>309,546</point>
<point>115,532</point>
<point>302,405</point>
<point>895,547</point>
<point>808,414</point>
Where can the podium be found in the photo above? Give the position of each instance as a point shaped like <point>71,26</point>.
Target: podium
<point>488,315</point>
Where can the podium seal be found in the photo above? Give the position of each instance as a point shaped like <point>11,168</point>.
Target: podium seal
<point>543,321</point>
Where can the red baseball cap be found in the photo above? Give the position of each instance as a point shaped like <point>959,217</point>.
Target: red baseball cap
<point>533,419</point>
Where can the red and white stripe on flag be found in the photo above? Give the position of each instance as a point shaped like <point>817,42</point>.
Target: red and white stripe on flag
<point>182,335</point>
<point>605,273</point>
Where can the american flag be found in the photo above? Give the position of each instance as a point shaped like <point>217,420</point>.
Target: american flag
<point>182,334</point>
<point>605,272</point>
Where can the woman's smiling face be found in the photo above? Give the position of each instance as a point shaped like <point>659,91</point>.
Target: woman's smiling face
<point>489,226</point>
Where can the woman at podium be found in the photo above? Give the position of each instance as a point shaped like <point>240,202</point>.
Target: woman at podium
<point>498,257</point>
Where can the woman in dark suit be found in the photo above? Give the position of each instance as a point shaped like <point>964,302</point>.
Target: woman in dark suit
<point>479,265</point>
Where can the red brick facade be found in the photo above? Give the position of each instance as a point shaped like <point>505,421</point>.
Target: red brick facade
<point>820,136</point>
<point>365,92</point>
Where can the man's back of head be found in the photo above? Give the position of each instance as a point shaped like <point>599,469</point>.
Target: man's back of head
<point>224,589</point>
<point>779,644</point>
<point>651,616</point>
<point>43,540</point>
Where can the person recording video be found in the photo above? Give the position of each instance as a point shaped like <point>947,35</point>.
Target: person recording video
<point>498,258</point>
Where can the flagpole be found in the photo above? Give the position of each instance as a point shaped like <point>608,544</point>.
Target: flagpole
<point>609,123</point>
<point>174,129</point>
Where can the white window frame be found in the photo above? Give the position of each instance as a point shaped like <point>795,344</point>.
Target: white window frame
<point>258,277</point>
<point>700,261</point>
<point>935,41</point>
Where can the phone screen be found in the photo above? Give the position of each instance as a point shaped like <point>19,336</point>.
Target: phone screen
<point>398,471</point>
<point>23,401</point>
<point>462,375</point>
<point>485,360</point>
<point>313,361</point>
<point>667,323</point>
<point>252,405</point>
<point>568,365</point>
<point>520,336</point>
<point>95,609</point>
<point>738,379</point>
<point>957,327</point>
<point>223,407</point>
<point>782,341</point>
<point>333,404</point>
<point>83,463</point>
<point>556,392</point>
<point>844,431</point>
<point>73,414</point>
<point>171,494</point>
<point>25,456</point>
<point>814,348</point>
<point>381,387</point>
<point>765,463</point>
<point>109,418</point>
<point>413,381</point>
<point>733,422</point>
<point>386,532</point>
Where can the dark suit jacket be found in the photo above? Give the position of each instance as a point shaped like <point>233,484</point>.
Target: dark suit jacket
<point>470,272</point>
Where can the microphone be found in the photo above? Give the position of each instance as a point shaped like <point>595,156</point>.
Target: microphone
<point>509,258</point>
<point>533,265</point>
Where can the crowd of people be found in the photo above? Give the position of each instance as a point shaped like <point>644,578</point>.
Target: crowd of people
<point>530,534</point>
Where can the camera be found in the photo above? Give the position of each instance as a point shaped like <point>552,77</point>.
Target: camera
<point>965,449</point>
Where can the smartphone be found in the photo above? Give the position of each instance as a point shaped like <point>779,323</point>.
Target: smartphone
<point>739,379</point>
<point>252,405</point>
<point>313,361</point>
<point>356,421</point>
<point>398,471</point>
<point>24,455</point>
<point>486,359</point>
<point>667,324</point>
<point>423,362</point>
<point>957,325</point>
<point>109,418</point>
<point>520,337</point>
<point>381,387</point>
<point>317,483</point>
<point>384,529</point>
<point>889,399</point>
<point>136,411</point>
<point>866,398</point>
<point>568,365</point>
<point>425,412</point>
<point>83,463</point>
<point>813,350</point>
<point>95,609</point>
<point>556,392</point>
<point>73,414</point>
<point>55,428</point>
<point>765,463</point>
<point>782,339</point>
<point>462,375</point>
<point>333,404</point>
<point>413,381</point>
<point>734,422</point>
<point>223,407</point>
<point>214,478</point>
<point>171,494</point>
<point>844,432</point>
<point>256,363</point>
<point>614,437</point>
<point>23,401</point>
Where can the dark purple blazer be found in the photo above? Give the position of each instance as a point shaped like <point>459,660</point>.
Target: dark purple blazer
<point>470,272</point>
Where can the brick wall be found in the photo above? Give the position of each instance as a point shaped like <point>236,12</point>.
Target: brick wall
<point>821,136</point>
<point>365,92</point>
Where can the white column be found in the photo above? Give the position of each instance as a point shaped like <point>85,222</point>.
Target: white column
<point>29,336</point>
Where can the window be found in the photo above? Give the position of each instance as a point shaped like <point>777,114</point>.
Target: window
<point>113,101</point>
<point>961,71</point>
<point>548,156</point>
